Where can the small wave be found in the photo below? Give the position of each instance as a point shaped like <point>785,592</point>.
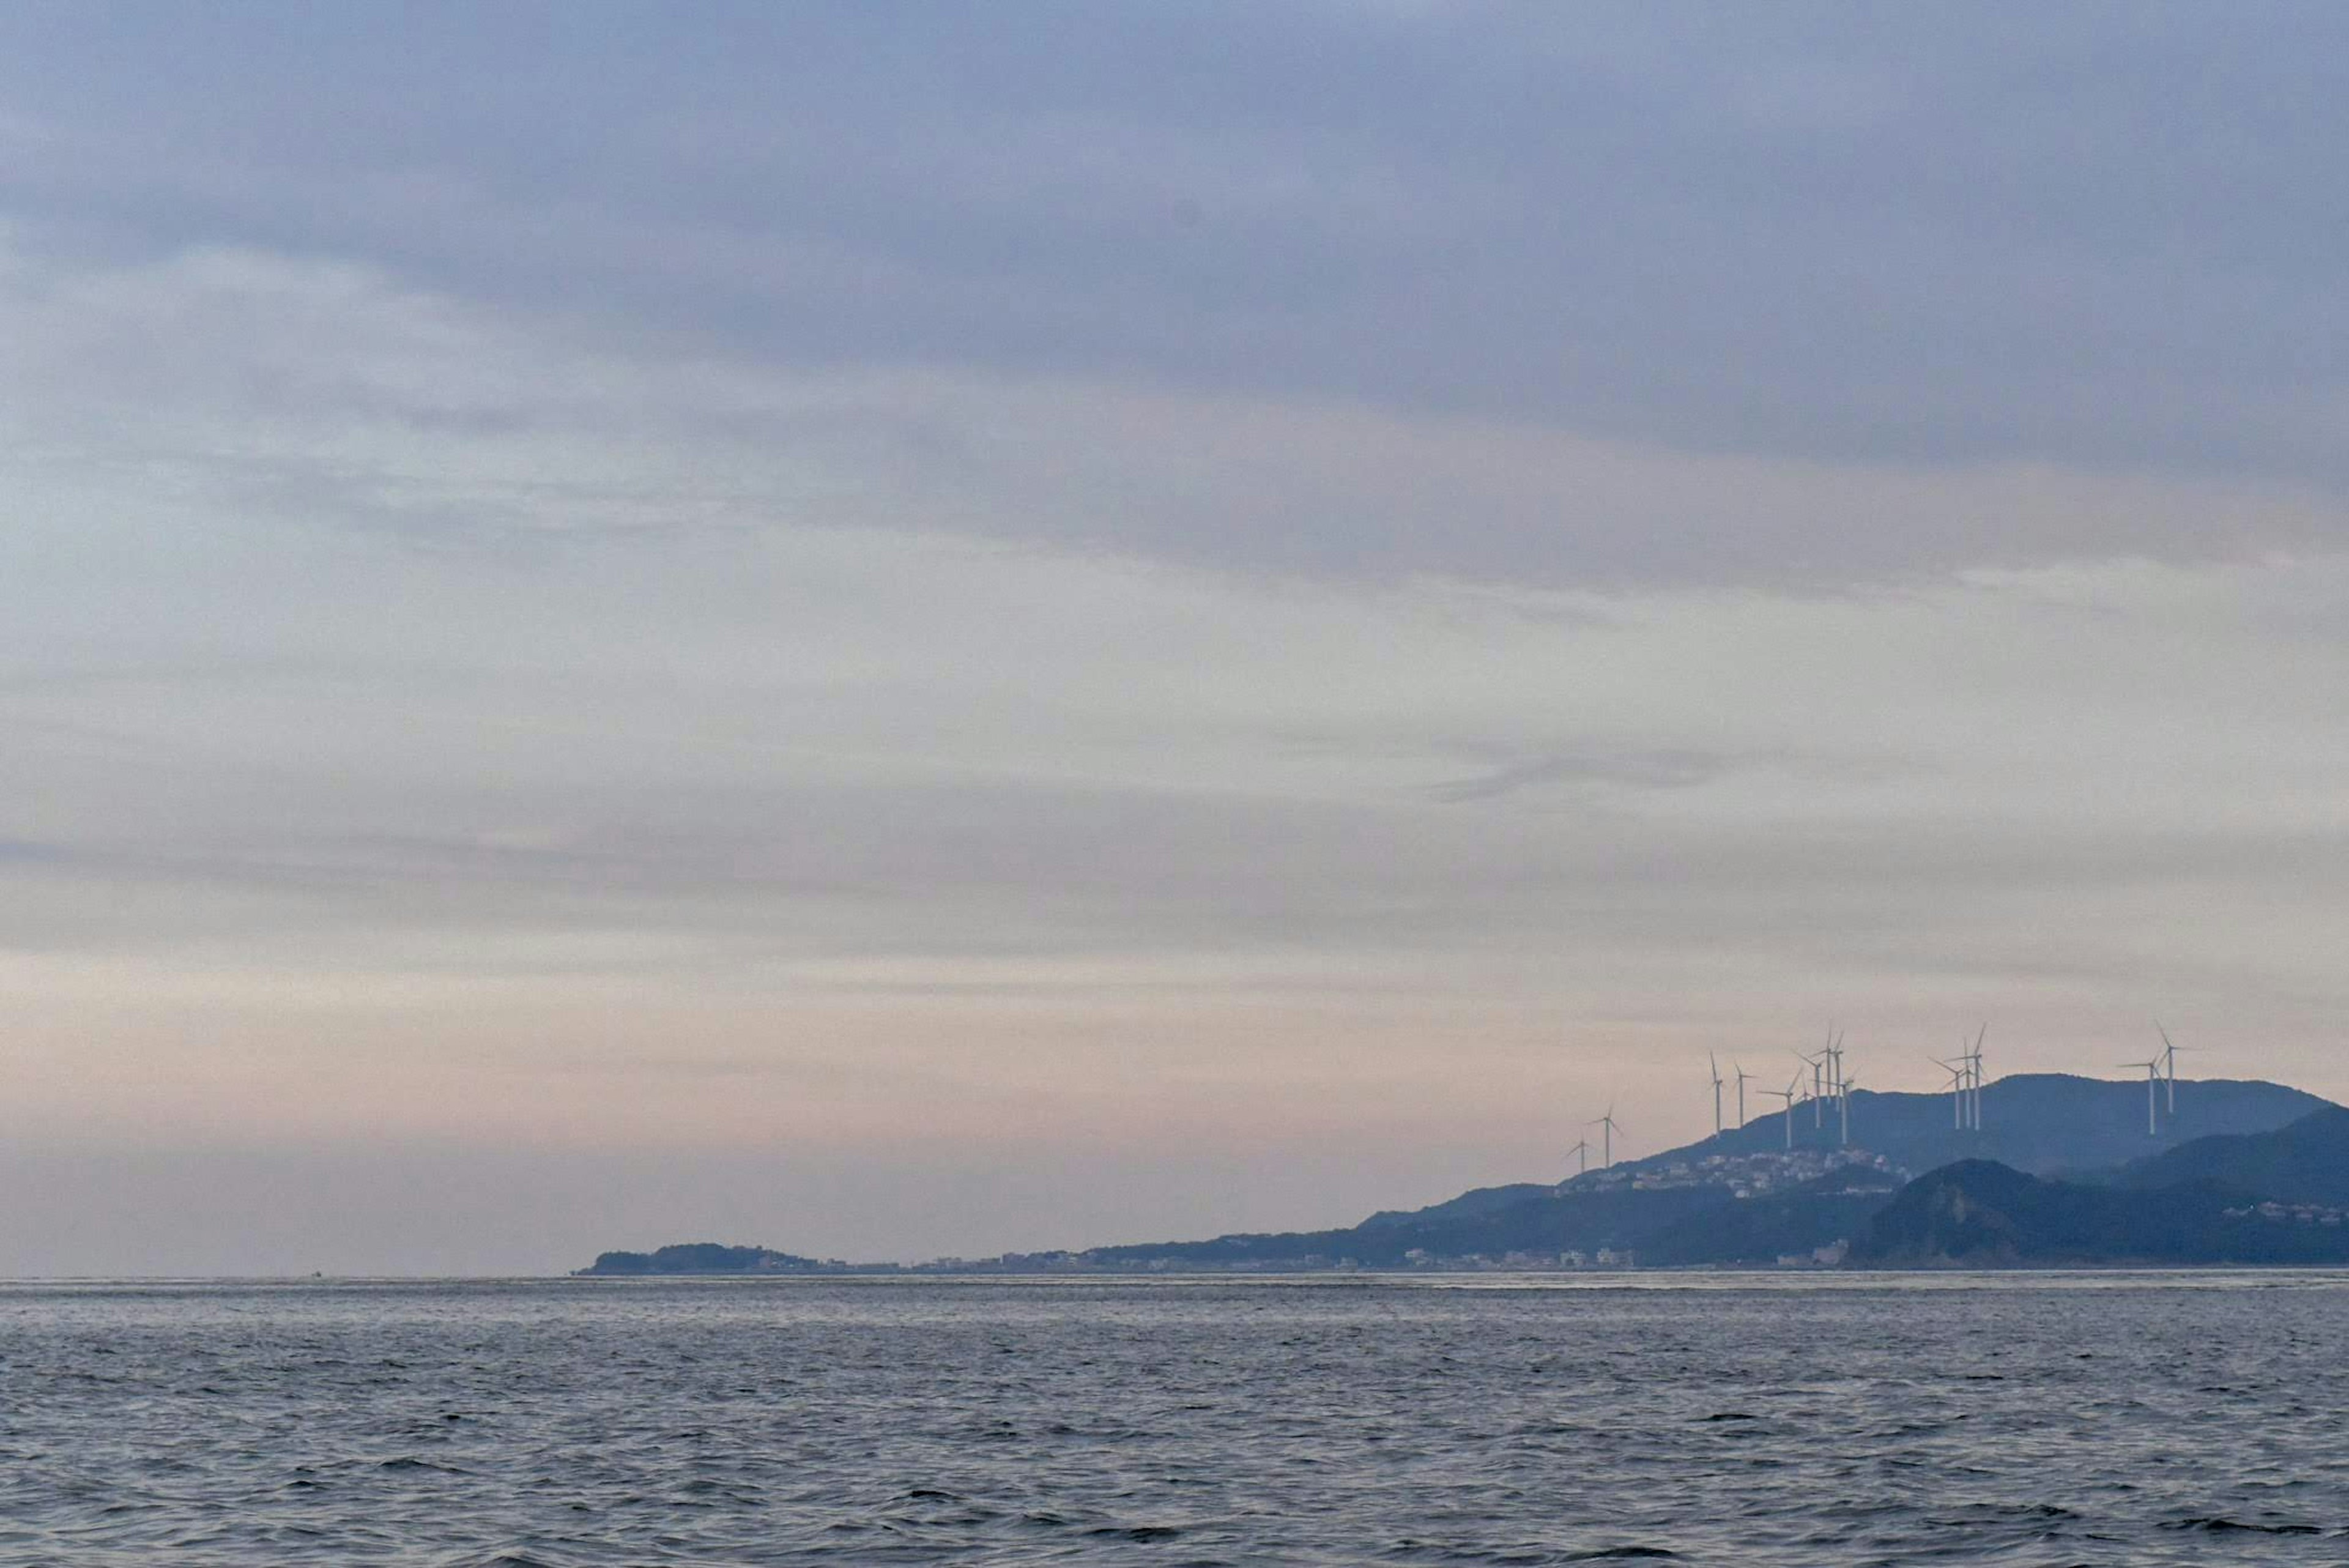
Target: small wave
<point>1974,1515</point>
<point>1610,1553</point>
<point>2216,1524</point>
<point>1138,1531</point>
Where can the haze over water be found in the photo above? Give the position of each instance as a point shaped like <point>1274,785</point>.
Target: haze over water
<point>2108,1418</point>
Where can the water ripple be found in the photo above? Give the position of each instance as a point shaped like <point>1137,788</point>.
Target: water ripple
<point>2043,1420</point>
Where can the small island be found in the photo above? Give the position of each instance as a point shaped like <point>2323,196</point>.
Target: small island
<point>710,1258</point>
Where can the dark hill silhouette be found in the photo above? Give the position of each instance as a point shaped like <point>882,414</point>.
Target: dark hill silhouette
<point>2046,1122</point>
<point>1676,1208</point>
<point>1739,1197</point>
<point>2305,1161</point>
<point>1819,1213</point>
<point>708,1258</point>
<point>1469,1205</point>
<point>1980,1214</point>
<point>1689,1223</point>
<point>1550,1222</point>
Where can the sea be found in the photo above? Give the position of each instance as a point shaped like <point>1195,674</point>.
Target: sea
<point>2050,1419</point>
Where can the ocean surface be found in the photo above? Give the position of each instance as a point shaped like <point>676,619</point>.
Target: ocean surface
<point>2104,1419</point>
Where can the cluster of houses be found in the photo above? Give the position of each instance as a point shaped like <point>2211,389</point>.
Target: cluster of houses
<point>2288,1213</point>
<point>1746,1175</point>
<point>1479,1263</point>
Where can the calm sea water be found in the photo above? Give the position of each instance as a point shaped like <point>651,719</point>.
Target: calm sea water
<point>2017,1419</point>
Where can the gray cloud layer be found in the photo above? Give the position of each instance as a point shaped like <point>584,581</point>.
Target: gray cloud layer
<point>2088,236</point>
<point>1144,591</point>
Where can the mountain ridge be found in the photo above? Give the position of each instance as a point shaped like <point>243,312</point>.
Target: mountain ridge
<point>1977,1213</point>
<point>1763,1193</point>
<point>2303,1161</point>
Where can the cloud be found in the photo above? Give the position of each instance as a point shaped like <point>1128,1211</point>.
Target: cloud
<point>1648,770</point>
<point>365,610</point>
<point>2061,241</point>
<point>315,392</point>
<point>1255,577</point>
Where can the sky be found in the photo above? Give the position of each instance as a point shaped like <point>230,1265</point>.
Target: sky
<point>917,630</point>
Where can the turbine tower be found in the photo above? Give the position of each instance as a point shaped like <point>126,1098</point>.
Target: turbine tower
<point>2152,1088</point>
<point>1843,1098</point>
<point>1957,1072</point>
<point>1817,1065</point>
<point>1741,1074</point>
<point>1607,1138</point>
<point>1823,1079</point>
<point>1715,1063</point>
<point>1973,1061</point>
<point>1788,1095</point>
<point>2169,1065</point>
<point>1581,1152</point>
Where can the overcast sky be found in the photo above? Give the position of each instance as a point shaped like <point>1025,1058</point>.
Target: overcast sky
<point>919,629</point>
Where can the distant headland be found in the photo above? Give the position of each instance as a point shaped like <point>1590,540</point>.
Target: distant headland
<point>2035,1170</point>
<point>712,1257</point>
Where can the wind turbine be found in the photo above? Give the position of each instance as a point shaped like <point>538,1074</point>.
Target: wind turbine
<point>1606,1160</point>
<point>1741,1074</point>
<point>2170,1061</point>
<point>2152,1082</point>
<point>1581,1152</point>
<point>1823,1076</point>
<point>1957,1071</point>
<point>1838,1084</point>
<point>1843,1099</point>
<point>1789,1094</point>
<point>1973,1092</point>
<point>1818,1064</point>
<point>1715,1063</point>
